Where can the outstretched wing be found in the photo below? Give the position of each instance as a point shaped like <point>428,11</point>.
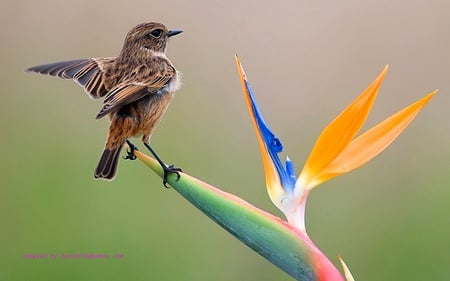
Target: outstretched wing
<point>150,81</point>
<point>88,73</point>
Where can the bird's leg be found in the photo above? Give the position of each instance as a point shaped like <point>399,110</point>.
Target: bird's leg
<point>130,153</point>
<point>166,169</point>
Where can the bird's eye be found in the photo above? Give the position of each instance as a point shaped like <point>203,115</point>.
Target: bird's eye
<point>156,33</point>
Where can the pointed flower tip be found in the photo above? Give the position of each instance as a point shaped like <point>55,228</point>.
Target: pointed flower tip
<point>430,95</point>
<point>377,82</point>
<point>241,71</point>
<point>375,85</point>
<point>347,273</point>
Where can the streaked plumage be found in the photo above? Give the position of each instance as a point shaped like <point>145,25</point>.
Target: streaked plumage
<point>137,87</point>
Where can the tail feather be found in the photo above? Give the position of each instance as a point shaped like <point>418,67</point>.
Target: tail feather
<point>107,165</point>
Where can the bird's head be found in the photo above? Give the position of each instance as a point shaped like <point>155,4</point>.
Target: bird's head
<point>147,37</point>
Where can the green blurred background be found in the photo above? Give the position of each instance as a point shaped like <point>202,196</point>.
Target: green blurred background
<point>306,60</point>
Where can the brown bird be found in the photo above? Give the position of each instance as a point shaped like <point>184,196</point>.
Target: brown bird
<point>137,87</point>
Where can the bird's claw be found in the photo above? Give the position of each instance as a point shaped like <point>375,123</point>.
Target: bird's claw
<point>170,170</point>
<point>130,153</point>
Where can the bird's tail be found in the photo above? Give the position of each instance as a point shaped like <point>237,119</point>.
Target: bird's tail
<point>107,166</point>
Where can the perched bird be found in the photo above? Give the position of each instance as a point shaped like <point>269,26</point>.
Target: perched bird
<point>137,87</point>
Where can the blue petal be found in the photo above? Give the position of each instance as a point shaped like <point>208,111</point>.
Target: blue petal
<point>273,146</point>
<point>290,170</point>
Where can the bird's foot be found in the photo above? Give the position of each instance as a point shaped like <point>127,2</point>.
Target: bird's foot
<point>130,153</point>
<point>170,170</point>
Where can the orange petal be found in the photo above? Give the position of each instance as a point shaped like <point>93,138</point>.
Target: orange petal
<point>340,132</point>
<point>373,142</point>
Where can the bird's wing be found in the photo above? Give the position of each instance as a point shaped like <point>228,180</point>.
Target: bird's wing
<point>120,96</point>
<point>88,73</point>
<point>149,81</point>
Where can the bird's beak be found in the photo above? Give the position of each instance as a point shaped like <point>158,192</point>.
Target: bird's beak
<point>174,32</point>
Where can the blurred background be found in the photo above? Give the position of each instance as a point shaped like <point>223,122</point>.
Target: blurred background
<point>306,60</point>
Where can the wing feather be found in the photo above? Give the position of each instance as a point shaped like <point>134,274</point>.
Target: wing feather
<point>88,73</point>
<point>121,96</point>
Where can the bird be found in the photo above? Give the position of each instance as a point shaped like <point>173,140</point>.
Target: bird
<point>136,86</point>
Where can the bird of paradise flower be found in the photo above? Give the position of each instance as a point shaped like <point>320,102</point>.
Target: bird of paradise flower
<point>286,243</point>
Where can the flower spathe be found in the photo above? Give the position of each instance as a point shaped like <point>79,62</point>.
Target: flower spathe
<point>273,238</point>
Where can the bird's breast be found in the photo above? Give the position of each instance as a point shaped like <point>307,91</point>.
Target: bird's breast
<point>173,85</point>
